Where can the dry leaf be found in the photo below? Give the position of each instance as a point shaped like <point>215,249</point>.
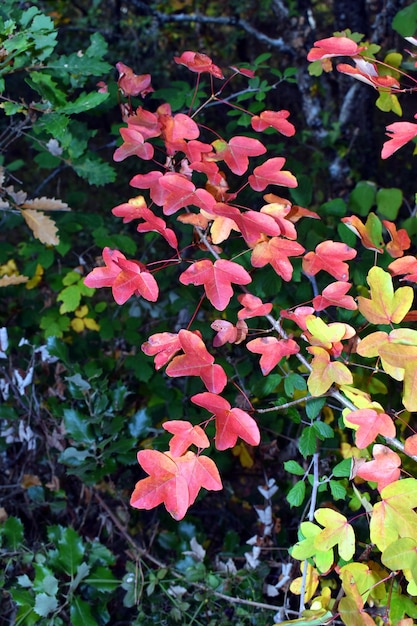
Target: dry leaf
<point>15,279</point>
<point>46,204</point>
<point>42,226</point>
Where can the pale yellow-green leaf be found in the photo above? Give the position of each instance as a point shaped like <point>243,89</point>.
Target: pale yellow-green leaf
<point>42,226</point>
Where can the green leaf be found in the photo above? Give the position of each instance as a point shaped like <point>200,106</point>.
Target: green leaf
<point>362,197</point>
<point>70,550</point>
<point>80,613</point>
<point>314,406</point>
<point>70,298</point>
<point>294,468</point>
<point>12,530</point>
<point>389,202</point>
<point>308,441</point>
<point>84,102</point>
<point>405,21</point>
<point>102,579</point>
<point>337,489</point>
<point>343,468</point>
<point>294,381</point>
<point>95,171</point>
<point>77,426</point>
<point>323,430</point>
<point>296,494</point>
<point>45,604</point>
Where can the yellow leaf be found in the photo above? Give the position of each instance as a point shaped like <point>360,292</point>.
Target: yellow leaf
<point>42,226</point>
<point>36,279</point>
<point>311,582</point>
<point>242,452</point>
<point>385,305</point>
<point>326,372</point>
<point>337,530</point>
<point>46,204</point>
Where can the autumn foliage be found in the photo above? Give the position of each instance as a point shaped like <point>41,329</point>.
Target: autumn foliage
<point>196,200</point>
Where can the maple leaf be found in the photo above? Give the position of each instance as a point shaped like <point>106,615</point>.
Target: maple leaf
<point>133,144</point>
<point>228,333</point>
<point>400,133</point>
<point>327,335</point>
<point>252,306</point>
<point>146,122</point>
<point>273,119</point>
<point>272,351</point>
<point>173,480</point>
<point>371,423</point>
<point>400,240</point>
<point>104,276</point>
<point>136,209</point>
<point>133,279</point>
<point>280,211</point>
<point>230,423</point>
<point>369,233</point>
<point>385,305</point>
<point>406,266</point>
<point>400,355</point>
<point>332,47</point>
<point>197,361</point>
<point>335,295</point>
<point>151,181</point>
<point>276,252</point>
<point>271,173</point>
<point>337,531</point>
<point>298,315</point>
<point>326,372</point>
<point>235,153</point>
<point>162,346</point>
<point>185,435</point>
<point>252,224</point>
<point>367,72</point>
<point>217,279</point>
<point>199,63</point>
<point>131,84</point>
<point>384,469</point>
<point>394,516</point>
<point>181,192</point>
<point>329,256</point>
<point>42,226</point>
<point>306,548</point>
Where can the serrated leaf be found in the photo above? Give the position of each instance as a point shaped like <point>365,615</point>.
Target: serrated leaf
<point>44,604</point>
<point>80,613</point>
<point>343,468</point>
<point>294,468</point>
<point>95,171</point>
<point>337,489</point>
<point>323,430</point>
<point>77,426</point>
<point>46,204</point>
<point>12,530</point>
<point>296,494</point>
<point>84,102</point>
<point>42,226</point>
<point>70,297</point>
<point>308,441</point>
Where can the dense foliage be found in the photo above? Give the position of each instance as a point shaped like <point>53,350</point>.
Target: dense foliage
<point>243,329</point>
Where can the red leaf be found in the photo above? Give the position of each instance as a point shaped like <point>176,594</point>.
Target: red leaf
<point>269,173</point>
<point>334,295</point>
<point>252,224</point>
<point>197,361</point>
<point>371,424</point>
<point>227,333</point>
<point>407,265</point>
<point>367,72</point>
<point>104,276</point>
<point>276,252</point>
<point>181,192</point>
<point>384,469</point>
<point>273,119</point>
<point>136,209</point>
<point>235,153</point>
<point>163,346</point>
<point>133,144</point>
<point>145,122</point>
<point>217,279</point>
<point>185,435</point>
<point>272,351</point>
<point>400,240</point>
<point>199,63</point>
<point>173,480</point>
<point>329,256</point>
<point>134,279</point>
<point>332,47</point>
<point>400,133</point>
<point>298,315</point>
<point>252,306</point>
<point>151,181</point>
<point>130,84</point>
<point>230,423</point>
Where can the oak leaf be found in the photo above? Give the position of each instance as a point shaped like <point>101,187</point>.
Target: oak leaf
<point>42,226</point>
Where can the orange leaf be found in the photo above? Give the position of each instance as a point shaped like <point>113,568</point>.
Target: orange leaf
<point>371,424</point>
<point>383,470</point>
